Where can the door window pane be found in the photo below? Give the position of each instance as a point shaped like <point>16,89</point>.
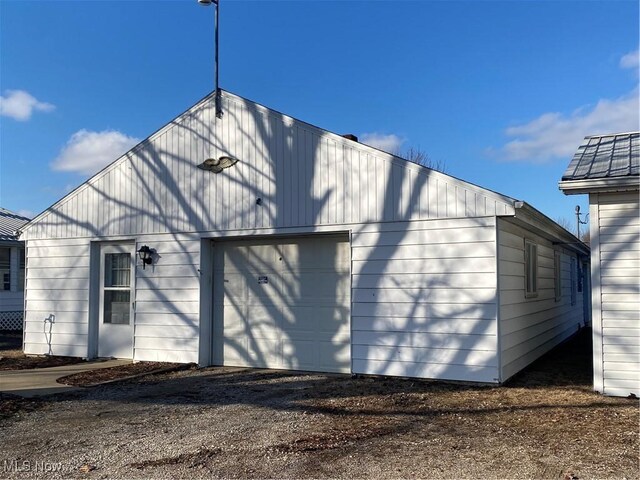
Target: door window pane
<point>116,306</point>
<point>117,270</point>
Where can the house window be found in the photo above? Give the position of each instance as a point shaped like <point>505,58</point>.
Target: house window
<point>574,286</point>
<point>21,269</point>
<point>580,278</point>
<point>530,269</point>
<point>557,272</point>
<point>5,269</point>
<point>117,288</point>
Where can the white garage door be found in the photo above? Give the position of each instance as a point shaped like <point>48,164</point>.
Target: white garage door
<point>283,304</point>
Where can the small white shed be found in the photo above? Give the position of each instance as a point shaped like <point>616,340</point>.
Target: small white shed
<point>310,251</point>
<point>12,262</point>
<point>607,167</point>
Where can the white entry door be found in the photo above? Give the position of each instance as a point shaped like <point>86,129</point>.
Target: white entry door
<point>283,304</point>
<point>115,330</point>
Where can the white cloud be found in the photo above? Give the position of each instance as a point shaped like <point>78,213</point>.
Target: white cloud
<point>554,135</point>
<point>630,60</point>
<point>389,143</point>
<point>20,105</point>
<point>87,152</point>
<point>26,213</point>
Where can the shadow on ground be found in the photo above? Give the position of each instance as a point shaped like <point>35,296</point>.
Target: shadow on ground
<point>10,340</point>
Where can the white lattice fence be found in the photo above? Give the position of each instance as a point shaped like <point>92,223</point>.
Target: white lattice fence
<point>11,320</point>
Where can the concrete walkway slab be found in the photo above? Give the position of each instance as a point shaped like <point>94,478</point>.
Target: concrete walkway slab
<point>42,381</point>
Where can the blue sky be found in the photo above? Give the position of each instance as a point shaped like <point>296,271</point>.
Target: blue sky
<point>501,92</point>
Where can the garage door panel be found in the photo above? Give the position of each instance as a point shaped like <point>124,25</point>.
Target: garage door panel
<point>332,286</point>
<point>251,257</point>
<point>336,356</point>
<point>235,350</point>
<point>286,304</point>
<point>263,292</point>
<point>316,319</point>
<point>252,352</point>
<point>257,330</point>
<point>302,354</point>
<point>316,356</point>
<point>250,317</point>
<point>232,288</point>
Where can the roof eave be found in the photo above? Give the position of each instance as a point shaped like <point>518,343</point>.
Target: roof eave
<point>599,185</point>
<point>547,228</point>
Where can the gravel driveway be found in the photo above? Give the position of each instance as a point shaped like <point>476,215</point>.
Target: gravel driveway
<point>229,422</point>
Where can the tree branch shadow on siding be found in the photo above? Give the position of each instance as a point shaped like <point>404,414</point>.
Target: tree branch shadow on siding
<point>164,196</point>
<point>276,138</point>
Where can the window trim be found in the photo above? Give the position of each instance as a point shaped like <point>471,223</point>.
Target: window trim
<point>574,284</point>
<point>9,281</point>
<point>530,269</point>
<point>557,272</point>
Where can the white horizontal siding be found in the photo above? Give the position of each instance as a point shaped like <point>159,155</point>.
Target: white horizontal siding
<point>167,307</point>
<point>303,175</point>
<point>424,300</point>
<point>530,327</point>
<point>57,288</point>
<point>167,301</point>
<point>616,237</point>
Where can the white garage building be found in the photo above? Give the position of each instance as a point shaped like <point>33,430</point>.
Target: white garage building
<point>312,252</point>
<point>607,167</point>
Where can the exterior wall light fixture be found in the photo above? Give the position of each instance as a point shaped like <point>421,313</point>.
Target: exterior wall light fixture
<point>146,255</point>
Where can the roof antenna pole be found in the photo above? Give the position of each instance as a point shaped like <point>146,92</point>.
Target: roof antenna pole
<point>217,68</point>
<point>218,97</point>
<point>579,221</point>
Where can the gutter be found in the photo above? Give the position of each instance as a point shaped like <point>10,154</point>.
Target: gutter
<point>549,229</point>
<point>600,185</point>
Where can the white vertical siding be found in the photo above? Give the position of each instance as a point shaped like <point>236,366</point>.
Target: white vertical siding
<point>424,299</point>
<point>615,235</point>
<point>530,327</point>
<point>303,175</point>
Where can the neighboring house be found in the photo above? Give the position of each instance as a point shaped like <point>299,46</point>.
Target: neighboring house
<point>11,271</point>
<point>607,167</point>
<point>312,252</point>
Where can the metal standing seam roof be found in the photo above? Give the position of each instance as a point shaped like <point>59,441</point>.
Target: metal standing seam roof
<point>9,223</point>
<point>606,156</point>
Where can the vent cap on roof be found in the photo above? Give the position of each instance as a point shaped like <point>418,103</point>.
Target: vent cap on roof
<point>350,136</point>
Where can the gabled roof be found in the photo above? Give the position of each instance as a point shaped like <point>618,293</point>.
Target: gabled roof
<point>161,190</point>
<point>604,162</point>
<point>9,223</point>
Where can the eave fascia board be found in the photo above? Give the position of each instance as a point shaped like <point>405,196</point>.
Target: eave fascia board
<point>11,242</point>
<point>549,229</point>
<point>599,185</point>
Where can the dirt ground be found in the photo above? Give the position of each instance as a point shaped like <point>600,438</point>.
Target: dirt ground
<point>242,423</point>
<point>83,379</point>
<point>12,358</point>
